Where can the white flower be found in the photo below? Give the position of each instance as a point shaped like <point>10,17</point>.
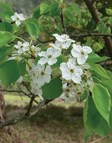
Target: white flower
<point>22,47</point>
<point>49,56</point>
<point>35,89</point>
<point>69,93</point>
<point>70,71</point>
<point>34,50</point>
<point>62,41</point>
<point>18,18</point>
<point>81,53</point>
<point>44,74</point>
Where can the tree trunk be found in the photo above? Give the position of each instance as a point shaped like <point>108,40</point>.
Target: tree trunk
<point>2,107</point>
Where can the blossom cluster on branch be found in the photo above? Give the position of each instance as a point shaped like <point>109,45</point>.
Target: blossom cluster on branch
<point>64,55</point>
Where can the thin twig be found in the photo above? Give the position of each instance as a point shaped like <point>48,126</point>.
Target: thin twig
<point>62,22</point>
<point>79,35</point>
<point>30,106</point>
<point>23,116</point>
<point>19,91</point>
<point>98,140</point>
<point>96,17</point>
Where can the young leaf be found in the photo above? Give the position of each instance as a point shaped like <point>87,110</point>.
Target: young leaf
<point>6,37</point>
<point>102,100</point>
<point>6,11</point>
<point>22,67</point>
<point>9,72</point>
<point>93,121</point>
<point>100,71</point>
<point>53,89</point>
<point>4,52</point>
<point>5,26</point>
<point>32,27</point>
<point>94,58</point>
<point>109,11</point>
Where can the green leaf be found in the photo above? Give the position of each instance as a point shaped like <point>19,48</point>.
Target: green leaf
<point>36,12</point>
<point>53,89</point>
<point>101,27</point>
<point>102,100</point>
<point>44,8</point>
<point>108,85</point>
<point>99,71</point>
<point>94,58</point>
<point>6,37</point>
<point>84,95</point>
<point>5,26</point>
<point>9,72</point>
<point>55,9</point>
<point>6,11</point>
<point>22,67</point>
<point>109,11</point>
<point>32,27</point>
<point>93,121</point>
<point>4,52</point>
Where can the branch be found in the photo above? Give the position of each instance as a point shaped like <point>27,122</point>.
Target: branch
<point>95,14</point>
<point>23,116</point>
<point>91,34</point>
<point>30,105</point>
<point>19,91</point>
<point>79,35</point>
<point>62,22</point>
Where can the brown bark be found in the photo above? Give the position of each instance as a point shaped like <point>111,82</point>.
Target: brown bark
<point>2,107</point>
<point>95,14</point>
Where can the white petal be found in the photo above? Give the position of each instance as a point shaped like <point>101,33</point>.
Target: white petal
<point>76,79</point>
<point>65,71</point>
<point>56,53</point>
<point>14,18</point>
<point>71,63</point>
<point>25,44</point>
<point>76,50</point>
<point>47,78</point>
<point>78,70</point>
<point>50,51</point>
<point>21,17</point>
<point>41,81</point>
<point>66,44</point>
<point>42,54</point>
<point>57,36</point>
<point>87,49</point>
<point>52,61</point>
<point>48,70</point>
<point>42,61</point>
<point>18,22</point>
<point>82,59</point>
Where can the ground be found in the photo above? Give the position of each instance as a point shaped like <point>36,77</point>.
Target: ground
<point>57,123</point>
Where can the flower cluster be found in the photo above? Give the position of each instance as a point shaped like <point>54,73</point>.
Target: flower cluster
<point>73,69</point>
<point>39,75</point>
<point>25,49</point>
<point>18,18</point>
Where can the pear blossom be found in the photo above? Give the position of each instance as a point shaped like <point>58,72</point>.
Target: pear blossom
<point>44,74</point>
<point>35,89</point>
<point>18,18</point>
<point>62,41</point>
<point>34,50</point>
<point>70,71</point>
<point>49,56</point>
<point>71,91</point>
<point>81,53</point>
<point>22,47</point>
